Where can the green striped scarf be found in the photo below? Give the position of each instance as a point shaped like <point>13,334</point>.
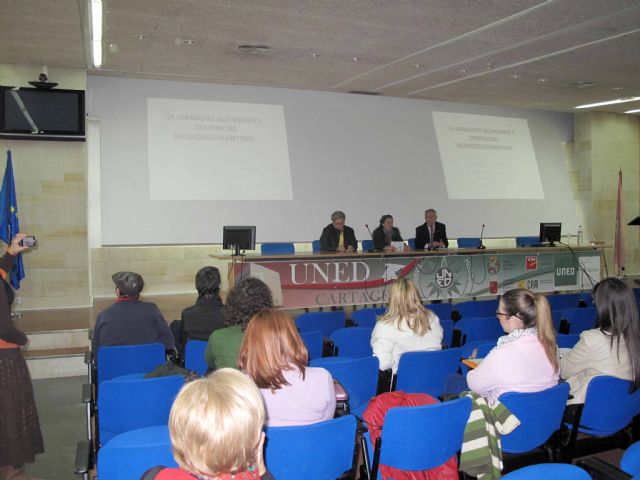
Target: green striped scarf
<point>481,453</point>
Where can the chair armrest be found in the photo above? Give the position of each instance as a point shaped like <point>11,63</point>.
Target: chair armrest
<point>598,468</point>
<point>87,393</point>
<point>83,459</point>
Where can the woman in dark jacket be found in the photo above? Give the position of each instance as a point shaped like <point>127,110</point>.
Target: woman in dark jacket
<point>20,436</point>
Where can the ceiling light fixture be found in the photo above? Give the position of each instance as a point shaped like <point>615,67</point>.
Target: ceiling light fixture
<point>609,102</point>
<point>617,88</point>
<point>637,110</point>
<point>96,32</point>
<point>314,55</point>
<point>139,36</point>
<point>356,59</point>
<point>581,84</point>
<point>543,80</point>
<point>252,48</point>
<point>515,76</point>
<point>462,70</point>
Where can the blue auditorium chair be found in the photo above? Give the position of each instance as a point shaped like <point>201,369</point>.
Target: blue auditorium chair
<point>283,248</point>
<point>313,341</point>
<point>527,241</point>
<point>426,372</point>
<point>315,246</point>
<point>367,245</point>
<point>481,328</point>
<point>326,322</point>
<point>477,308</point>
<point>548,471</point>
<point>468,242</point>
<point>442,310</point>
<point>367,317</point>
<point>352,342</point>
<point>126,359</point>
<point>194,356</point>
<point>321,451</point>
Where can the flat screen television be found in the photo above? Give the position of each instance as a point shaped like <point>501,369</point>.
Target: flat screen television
<point>35,114</point>
<point>238,238</point>
<point>550,232</point>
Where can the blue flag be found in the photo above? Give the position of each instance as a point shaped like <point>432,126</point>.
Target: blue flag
<point>9,224</point>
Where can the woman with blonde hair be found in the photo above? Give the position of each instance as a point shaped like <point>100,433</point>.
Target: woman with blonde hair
<point>216,430</point>
<point>406,326</point>
<point>274,356</point>
<point>526,359</point>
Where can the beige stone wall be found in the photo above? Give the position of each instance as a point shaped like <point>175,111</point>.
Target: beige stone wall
<point>51,192</point>
<point>604,143</point>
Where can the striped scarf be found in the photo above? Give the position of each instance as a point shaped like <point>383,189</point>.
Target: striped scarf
<point>481,453</point>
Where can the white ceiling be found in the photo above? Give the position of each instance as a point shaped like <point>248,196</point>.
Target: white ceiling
<point>453,50</point>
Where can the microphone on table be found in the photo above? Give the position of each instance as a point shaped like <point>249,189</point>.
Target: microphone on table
<point>370,234</point>
<point>481,246</point>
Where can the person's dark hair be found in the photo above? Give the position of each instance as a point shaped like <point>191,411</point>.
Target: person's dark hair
<point>247,298</point>
<point>618,316</point>
<point>208,281</point>
<point>534,311</point>
<point>383,218</point>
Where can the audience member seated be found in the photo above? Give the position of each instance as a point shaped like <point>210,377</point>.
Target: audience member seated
<point>130,321</point>
<point>274,356</point>
<point>216,431</point>
<point>248,297</point>
<point>337,237</point>
<point>526,359</point>
<point>385,234</point>
<point>612,348</point>
<point>406,326</point>
<point>199,320</point>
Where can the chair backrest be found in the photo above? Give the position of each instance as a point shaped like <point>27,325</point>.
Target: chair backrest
<point>321,451</point>
<point>367,245</point>
<point>130,403</point>
<point>425,372</point>
<point>481,328</point>
<point>630,461</point>
<point>540,414</point>
<point>353,342</point>
<point>194,356</point>
<point>126,359</point>
<point>548,471</point>
<point>277,248</point>
<point>367,317</point>
<point>412,243</point>
<point>527,241</point>
<point>580,319</point>
<point>567,341</point>
<point>315,246</point>
<point>561,301</point>
<point>447,331</point>
<point>482,348</point>
<point>469,242</point>
<point>131,454</point>
<point>477,308</point>
<point>424,437</point>
<point>326,322</point>
<point>608,406</point>
<point>442,310</point>
<point>358,376</point>
<point>313,342</point>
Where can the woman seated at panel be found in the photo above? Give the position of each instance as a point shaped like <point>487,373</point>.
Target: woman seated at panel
<point>274,356</point>
<point>385,234</point>
<point>247,298</point>
<point>205,316</point>
<point>406,326</point>
<point>526,359</point>
<point>612,348</point>
<point>216,430</point>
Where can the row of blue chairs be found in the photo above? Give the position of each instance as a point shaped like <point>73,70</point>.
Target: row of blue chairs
<point>287,248</point>
<point>413,438</point>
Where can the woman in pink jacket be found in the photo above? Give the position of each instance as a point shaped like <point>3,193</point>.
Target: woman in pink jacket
<point>526,359</point>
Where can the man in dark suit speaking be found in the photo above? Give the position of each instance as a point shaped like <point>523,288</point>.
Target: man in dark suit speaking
<point>431,234</point>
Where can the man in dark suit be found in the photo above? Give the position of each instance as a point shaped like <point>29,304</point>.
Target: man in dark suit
<point>431,233</point>
<point>337,237</point>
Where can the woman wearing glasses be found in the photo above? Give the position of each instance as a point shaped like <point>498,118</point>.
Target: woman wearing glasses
<point>612,348</point>
<point>526,359</point>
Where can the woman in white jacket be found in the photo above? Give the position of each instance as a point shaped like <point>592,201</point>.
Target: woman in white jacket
<point>406,326</point>
<point>612,348</point>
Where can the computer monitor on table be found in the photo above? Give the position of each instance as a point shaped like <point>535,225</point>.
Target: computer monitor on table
<point>238,238</point>
<point>550,233</point>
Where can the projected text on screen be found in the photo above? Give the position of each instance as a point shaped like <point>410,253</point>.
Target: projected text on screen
<point>486,157</point>
<point>200,150</point>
